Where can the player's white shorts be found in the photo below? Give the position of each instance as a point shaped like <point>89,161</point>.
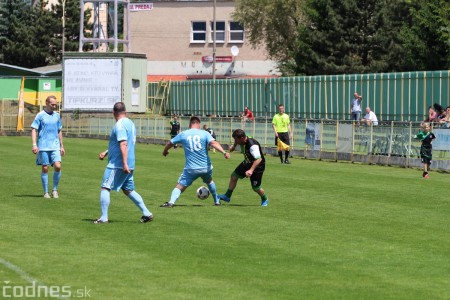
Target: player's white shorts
<point>46,158</point>
<point>189,176</point>
<point>116,179</point>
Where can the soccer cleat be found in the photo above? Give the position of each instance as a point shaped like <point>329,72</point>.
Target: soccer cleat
<point>287,162</point>
<point>224,198</point>
<point>55,194</point>
<point>100,221</point>
<point>426,176</point>
<point>47,195</point>
<point>167,204</point>
<point>145,219</point>
<point>217,204</point>
<point>265,202</point>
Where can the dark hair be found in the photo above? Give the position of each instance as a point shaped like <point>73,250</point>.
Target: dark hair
<point>281,104</point>
<point>119,107</point>
<point>238,133</point>
<point>194,120</point>
<point>438,107</point>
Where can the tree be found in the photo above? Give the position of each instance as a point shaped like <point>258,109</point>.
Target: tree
<point>13,14</point>
<point>31,35</point>
<point>351,36</point>
<point>273,24</point>
<point>322,36</point>
<point>427,36</point>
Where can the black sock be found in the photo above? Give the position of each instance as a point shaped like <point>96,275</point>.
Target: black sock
<point>286,154</point>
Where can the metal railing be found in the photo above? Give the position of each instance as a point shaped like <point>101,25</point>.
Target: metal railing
<point>388,143</point>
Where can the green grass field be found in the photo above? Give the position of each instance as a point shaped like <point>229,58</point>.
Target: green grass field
<point>331,231</point>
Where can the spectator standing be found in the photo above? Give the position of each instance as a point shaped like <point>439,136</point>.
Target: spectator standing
<point>47,140</point>
<point>370,118</point>
<point>282,127</point>
<point>355,108</point>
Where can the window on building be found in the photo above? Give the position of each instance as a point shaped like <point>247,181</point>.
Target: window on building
<point>236,32</point>
<point>198,33</point>
<point>220,31</point>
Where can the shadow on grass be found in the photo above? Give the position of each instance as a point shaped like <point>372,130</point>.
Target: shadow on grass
<point>32,196</point>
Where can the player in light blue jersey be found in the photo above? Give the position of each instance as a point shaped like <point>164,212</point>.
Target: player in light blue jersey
<point>47,140</point>
<point>195,144</point>
<point>121,163</point>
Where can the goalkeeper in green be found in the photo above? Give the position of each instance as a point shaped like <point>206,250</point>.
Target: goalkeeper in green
<point>426,149</point>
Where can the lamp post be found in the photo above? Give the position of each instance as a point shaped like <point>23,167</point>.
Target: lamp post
<point>214,40</point>
<point>63,26</point>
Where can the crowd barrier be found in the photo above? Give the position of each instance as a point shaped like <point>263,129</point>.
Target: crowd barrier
<point>389,143</point>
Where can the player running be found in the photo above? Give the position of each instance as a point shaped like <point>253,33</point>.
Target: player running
<point>253,166</point>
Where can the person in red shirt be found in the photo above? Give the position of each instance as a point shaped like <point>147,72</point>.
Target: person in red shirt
<point>248,115</point>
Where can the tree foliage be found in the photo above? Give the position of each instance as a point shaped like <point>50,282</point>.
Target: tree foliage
<point>31,34</point>
<point>427,36</point>
<point>349,36</point>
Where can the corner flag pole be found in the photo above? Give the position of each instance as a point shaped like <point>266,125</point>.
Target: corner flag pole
<point>20,115</point>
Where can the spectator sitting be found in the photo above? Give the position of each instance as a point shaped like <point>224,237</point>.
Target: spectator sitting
<point>445,122</point>
<point>431,115</point>
<point>440,112</point>
<point>370,118</point>
<point>248,115</point>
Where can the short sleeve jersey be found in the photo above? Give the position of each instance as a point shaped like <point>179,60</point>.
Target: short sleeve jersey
<point>174,127</point>
<point>124,130</point>
<point>211,132</point>
<point>426,138</point>
<point>356,105</point>
<point>48,127</point>
<point>281,122</point>
<point>252,151</point>
<point>195,144</point>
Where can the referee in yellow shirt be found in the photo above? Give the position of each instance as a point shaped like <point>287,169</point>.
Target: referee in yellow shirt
<point>282,127</point>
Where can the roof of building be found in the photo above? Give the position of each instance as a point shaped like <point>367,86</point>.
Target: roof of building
<point>11,70</point>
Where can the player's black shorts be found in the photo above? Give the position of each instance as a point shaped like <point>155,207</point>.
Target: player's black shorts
<point>256,178</point>
<point>284,137</point>
<point>425,155</point>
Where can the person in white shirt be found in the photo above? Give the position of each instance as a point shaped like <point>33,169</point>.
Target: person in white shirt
<point>370,118</point>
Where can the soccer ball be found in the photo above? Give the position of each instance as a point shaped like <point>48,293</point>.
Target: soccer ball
<point>202,193</point>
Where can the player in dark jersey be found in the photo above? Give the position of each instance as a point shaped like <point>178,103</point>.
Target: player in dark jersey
<point>426,149</point>
<point>212,133</point>
<point>253,166</point>
<point>175,128</point>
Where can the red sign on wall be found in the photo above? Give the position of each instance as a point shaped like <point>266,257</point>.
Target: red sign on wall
<point>210,59</point>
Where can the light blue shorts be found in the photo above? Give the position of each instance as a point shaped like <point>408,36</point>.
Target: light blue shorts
<point>189,176</point>
<point>116,179</point>
<point>45,158</point>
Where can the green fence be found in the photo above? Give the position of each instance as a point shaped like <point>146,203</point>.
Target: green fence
<point>392,96</point>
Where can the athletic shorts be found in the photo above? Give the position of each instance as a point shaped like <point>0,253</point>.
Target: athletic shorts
<point>116,179</point>
<point>189,176</point>
<point>255,179</point>
<point>426,155</point>
<point>284,137</point>
<point>46,158</point>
